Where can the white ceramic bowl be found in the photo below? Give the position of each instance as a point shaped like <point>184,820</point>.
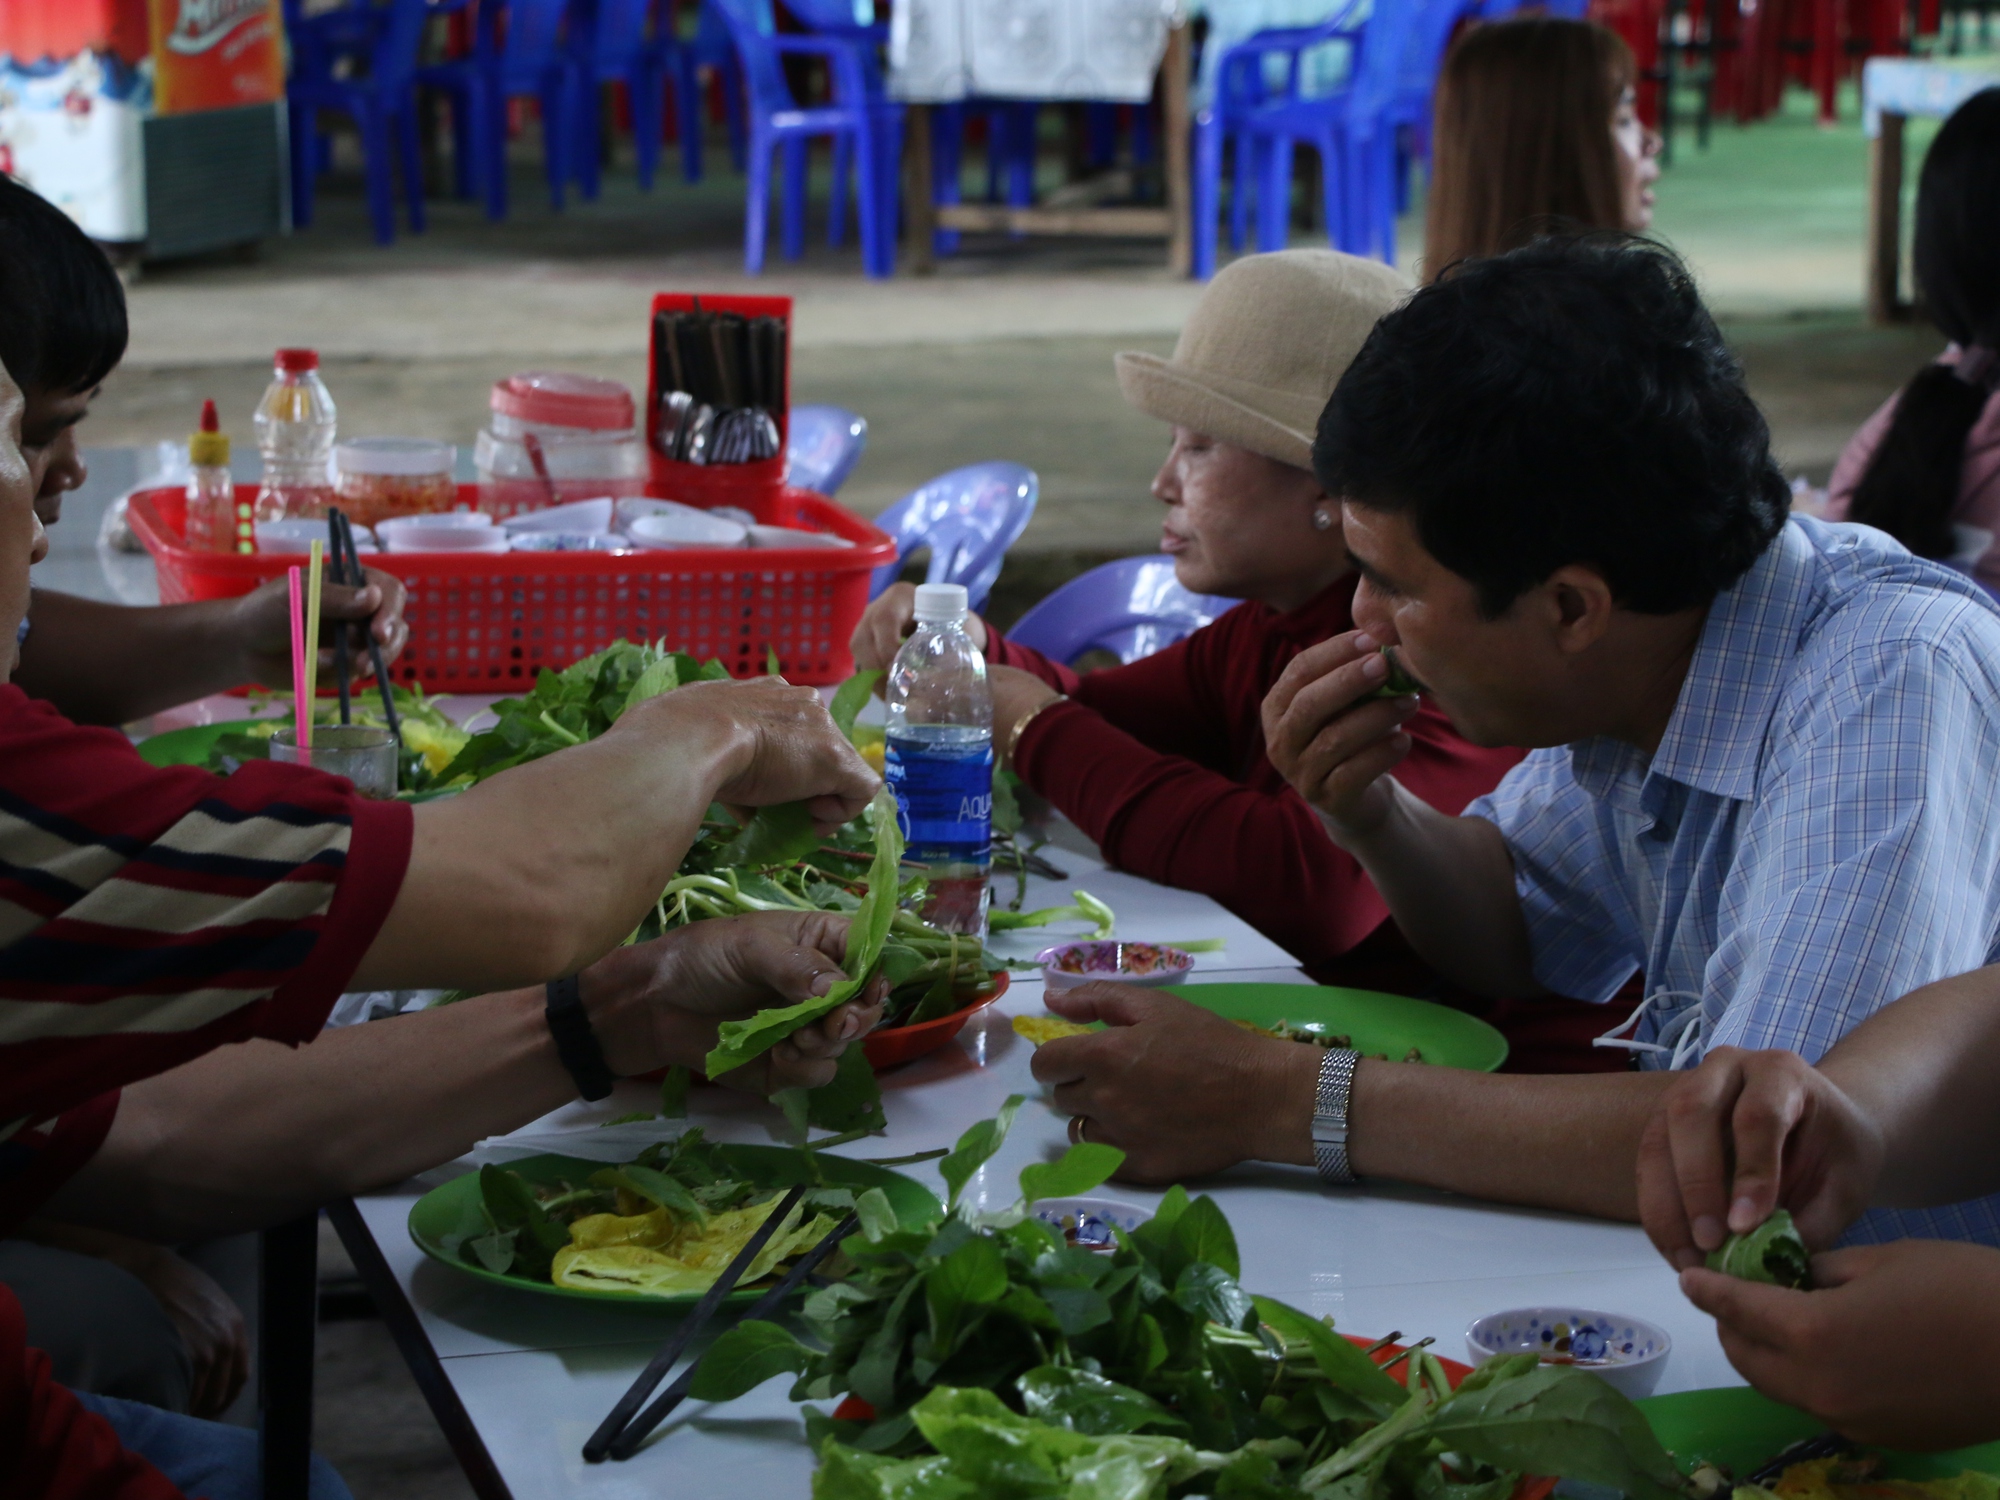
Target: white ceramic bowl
<point>1629,1354</point>
<point>445,539</point>
<point>791,536</point>
<point>667,530</point>
<point>1150,964</point>
<point>286,537</point>
<point>576,516</point>
<point>472,520</point>
<point>1084,1221</point>
<point>567,541</point>
<point>629,508</point>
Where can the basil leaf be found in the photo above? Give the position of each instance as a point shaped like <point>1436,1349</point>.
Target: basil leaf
<point>1064,1396</point>
<point>773,836</point>
<point>744,1358</point>
<point>850,698</point>
<point>1771,1253</point>
<point>1340,1361</point>
<point>1208,1291</point>
<point>660,1190</point>
<point>976,1147</point>
<point>1203,1233</point>
<point>852,1100</point>
<point>511,1205</point>
<point>1561,1422</point>
<point>1084,1166</point>
<point>674,1093</point>
<point>876,1214</point>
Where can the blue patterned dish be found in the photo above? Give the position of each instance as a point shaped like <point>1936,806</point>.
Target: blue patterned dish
<point>1628,1353</point>
<point>1086,1222</point>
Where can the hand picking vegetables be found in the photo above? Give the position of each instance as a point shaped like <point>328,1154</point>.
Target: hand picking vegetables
<point>1771,1253</point>
<point>991,1359</point>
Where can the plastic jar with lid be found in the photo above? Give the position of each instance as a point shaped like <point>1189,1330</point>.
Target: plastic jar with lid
<point>380,477</point>
<point>582,429</point>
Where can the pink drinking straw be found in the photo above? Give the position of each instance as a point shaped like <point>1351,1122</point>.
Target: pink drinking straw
<point>301,705</point>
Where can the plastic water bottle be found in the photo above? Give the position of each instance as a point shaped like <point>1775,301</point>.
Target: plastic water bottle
<point>939,760</point>
<point>295,430</point>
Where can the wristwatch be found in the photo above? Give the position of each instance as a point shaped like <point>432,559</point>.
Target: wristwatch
<point>1329,1126</point>
<point>576,1043</point>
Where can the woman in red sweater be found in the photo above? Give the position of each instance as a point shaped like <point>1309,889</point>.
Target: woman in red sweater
<point>1162,762</point>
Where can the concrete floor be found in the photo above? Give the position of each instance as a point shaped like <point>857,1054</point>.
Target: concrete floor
<point>1005,353</point>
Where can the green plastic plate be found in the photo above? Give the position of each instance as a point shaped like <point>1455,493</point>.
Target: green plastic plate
<point>187,747</point>
<point>1743,1431</point>
<point>439,1211</point>
<point>1388,1024</point>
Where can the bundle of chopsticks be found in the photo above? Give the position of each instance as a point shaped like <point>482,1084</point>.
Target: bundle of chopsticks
<point>720,379</point>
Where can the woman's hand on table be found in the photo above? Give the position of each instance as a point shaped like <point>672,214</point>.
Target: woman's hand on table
<point>1746,1133</point>
<point>1899,1346</point>
<point>1332,739</point>
<point>263,624</point>
<point>887,623</point>
<point>1179,1090</point>
<point>659,1004</point>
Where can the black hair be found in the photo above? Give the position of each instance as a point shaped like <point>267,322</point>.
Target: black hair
<point>1911,487</point>
<point>62,310</point>
<point>1567,402</point>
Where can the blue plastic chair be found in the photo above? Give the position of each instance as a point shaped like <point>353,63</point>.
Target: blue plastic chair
<point>611,44</point>
<point>822,445</point>
<point>968,518</point>
<point>380,98</point>
<point>1131,608</point>
<point>1011,140</point>
<point>518,52</point>
<point>865,128</point>
<point>713,50</point>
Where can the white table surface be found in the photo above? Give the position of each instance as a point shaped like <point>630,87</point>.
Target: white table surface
<point>536,1374</point>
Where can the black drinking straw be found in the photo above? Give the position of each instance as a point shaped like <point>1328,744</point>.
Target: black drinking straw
<point>344,546</point>
<point>338,563</point>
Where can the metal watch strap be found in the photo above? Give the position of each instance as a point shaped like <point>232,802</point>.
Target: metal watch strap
<point>576,1043</point>
<point>1329,1123</point>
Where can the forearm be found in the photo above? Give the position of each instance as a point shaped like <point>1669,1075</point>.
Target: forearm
<point>547,867</point>
<point>1450,884</point>
<point>1923,1069</point>
<point>1561,1142</point>
<point>255,1134</point>
<point>109,664</point>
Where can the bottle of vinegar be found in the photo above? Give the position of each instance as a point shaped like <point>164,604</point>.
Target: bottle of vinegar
<point>939,759</point>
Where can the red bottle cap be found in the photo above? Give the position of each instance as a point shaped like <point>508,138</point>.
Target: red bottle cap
<point>209,422</point>
<point>297,361</point>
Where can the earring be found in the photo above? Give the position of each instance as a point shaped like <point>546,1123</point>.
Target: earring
<point>1322,518</point>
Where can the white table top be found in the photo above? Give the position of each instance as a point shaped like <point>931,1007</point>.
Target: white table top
<point>1933,86</point>
<point>537,1374</point>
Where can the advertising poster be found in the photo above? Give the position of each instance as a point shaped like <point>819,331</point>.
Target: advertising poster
<point>215,54</point>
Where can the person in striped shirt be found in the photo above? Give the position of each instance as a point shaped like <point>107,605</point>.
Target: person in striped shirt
<point>149,917</point>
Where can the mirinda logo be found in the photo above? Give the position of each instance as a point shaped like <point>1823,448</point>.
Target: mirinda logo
<point>213,54</point>
<point>202,24</point>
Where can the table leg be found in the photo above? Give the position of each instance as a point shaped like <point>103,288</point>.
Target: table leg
<point>425,1367</point>
<point>1885,221</point>
<point>919,201</point>
<point>1174,125</point>
<point>287,1329</point>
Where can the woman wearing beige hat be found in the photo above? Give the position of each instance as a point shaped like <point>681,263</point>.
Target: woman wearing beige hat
<point>1162,762</point>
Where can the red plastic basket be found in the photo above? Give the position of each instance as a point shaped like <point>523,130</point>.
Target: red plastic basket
<point>487,623</point>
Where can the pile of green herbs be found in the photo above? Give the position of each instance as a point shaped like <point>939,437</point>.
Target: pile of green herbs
<point>995,1360</point>
<point>516,1226</point>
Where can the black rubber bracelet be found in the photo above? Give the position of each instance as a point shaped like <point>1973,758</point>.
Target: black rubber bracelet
<point>576,1043</point>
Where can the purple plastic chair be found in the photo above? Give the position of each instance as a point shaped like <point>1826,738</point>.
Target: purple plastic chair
<point>378,96</point>
<point>968,518</point>
<point>1131,608</point>
<point>822,445</point>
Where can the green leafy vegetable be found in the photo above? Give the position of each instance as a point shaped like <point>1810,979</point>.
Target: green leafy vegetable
<point>1772,1253</point>
<point>976,1147</point>
<point>850,698</point>
<point>744,1358</point>
<point>1399,683</point>
<point>1087,909</point>
<point>1079,1169</point>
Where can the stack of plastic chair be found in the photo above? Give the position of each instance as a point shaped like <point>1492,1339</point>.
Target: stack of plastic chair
<point>380,98</point>
<point>864,126</point>
<point>1011,141</point>
<point>715,53</point>
<point>614,43</point>
<point>851,23</point>
<point>822,446</point>
<point>1131,608</point>
<point>518,52</point>
<point>968,519</point>
<point>1258,75</point>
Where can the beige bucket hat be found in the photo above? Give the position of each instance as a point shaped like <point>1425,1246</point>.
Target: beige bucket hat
<point>1264,348</point>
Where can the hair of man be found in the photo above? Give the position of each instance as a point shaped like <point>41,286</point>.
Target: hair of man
<point>1570,402</point>
<point>62,309</point>
<point>1522,143</point>
<point>1911,487</point>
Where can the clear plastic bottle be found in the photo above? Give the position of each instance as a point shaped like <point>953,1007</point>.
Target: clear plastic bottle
<point>295,430</point>
<point>212,520</point>
<point>939,759</point>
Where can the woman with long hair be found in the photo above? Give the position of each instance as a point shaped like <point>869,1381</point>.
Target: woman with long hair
<point>1927,465</point>
<point>1536,130</point>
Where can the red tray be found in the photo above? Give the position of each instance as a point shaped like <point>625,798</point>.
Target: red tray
<point>487,623</point>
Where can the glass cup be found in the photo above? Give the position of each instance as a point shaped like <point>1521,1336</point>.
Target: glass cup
<point>362,753</point>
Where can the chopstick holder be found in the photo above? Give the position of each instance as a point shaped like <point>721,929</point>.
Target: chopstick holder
<point>609,1430</point>
<point>627,1442</point>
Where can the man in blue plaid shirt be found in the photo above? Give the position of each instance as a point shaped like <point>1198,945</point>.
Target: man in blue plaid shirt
<point>1762,746</point>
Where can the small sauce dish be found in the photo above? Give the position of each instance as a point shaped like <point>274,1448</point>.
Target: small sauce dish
<point>1151,964</point>
<point>1086,1223</point>
<point>1628,1354</point>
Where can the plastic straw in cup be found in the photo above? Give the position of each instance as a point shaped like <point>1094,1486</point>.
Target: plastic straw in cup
<point>311,642</point>
<point>301,714</point>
